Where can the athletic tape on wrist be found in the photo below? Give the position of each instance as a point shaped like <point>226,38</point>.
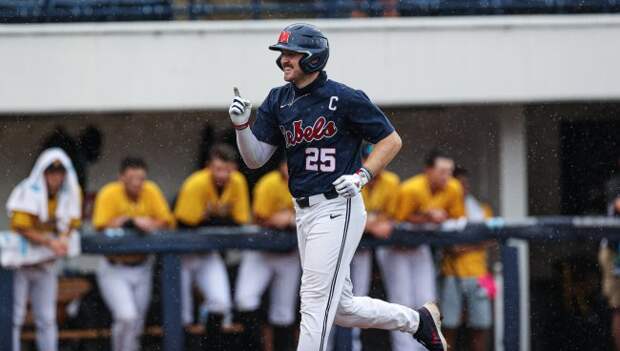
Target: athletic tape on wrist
<point>241,126</point>
<point>367,172</point>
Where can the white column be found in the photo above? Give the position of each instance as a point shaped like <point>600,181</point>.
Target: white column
<point>513,203</point>
<point>512,163</point>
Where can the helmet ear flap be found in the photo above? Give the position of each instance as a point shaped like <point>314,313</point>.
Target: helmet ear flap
<point>306,65</point>
<point>313,62</point>
<point>310,63</point>
<point>279,61</point>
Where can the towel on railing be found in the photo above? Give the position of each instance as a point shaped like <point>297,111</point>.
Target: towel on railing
<point>17,251</point>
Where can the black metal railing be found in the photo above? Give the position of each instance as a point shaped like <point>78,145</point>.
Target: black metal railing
<point>169,245</point>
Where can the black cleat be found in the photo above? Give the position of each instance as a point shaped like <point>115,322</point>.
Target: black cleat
<point>429,329</point>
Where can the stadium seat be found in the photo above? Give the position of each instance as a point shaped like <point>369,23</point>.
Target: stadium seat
<point>20,11</point>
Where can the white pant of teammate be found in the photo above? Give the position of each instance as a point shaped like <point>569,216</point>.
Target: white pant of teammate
<point>209,273</point>
<point>361,270</point>
<point>126,290</point>
<point>256,271</point>
<point>328,234</point>
<point>40,284</point>
<point>409,278</point>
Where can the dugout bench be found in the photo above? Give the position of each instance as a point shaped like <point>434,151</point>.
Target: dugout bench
<point>169,245</point>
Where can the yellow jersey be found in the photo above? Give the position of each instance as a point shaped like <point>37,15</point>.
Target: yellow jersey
<point>24,220</point>
<point>381,195</point>
<point>271,195</point>
<point>199,199</point>
<point>468,264</point>
<point>415,196</point>
<point>112,202</point>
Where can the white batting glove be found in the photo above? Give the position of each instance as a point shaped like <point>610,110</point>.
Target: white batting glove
<point>350,185</point>
<point>240,110</point>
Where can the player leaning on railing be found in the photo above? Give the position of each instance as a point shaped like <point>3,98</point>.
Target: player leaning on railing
<point>322,124</point>
<point>44,208</point>
<point>125,281</point>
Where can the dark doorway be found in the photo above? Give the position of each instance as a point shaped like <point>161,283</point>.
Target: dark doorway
<point>590,150</point>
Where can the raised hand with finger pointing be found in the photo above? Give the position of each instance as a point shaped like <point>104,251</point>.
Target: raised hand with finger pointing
<point>239,111</point>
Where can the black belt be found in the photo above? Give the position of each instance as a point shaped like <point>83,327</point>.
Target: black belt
<point>116,262</point>
<point>304,202</point>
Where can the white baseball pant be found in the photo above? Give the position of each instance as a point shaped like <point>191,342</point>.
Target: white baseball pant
<point>210,274</point>
<point>328,233</point>
<point>361,270</point>
<point>126,290</point>
<point>256,271</point>
<point>409,278</point>
<point>40,284</point>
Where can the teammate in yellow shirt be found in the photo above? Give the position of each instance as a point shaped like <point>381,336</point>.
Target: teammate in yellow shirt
<point>273,208</point>
<point>464,268</point>
<point>135,203</point>
<point>431,197</point>
<point>44,208</point>
<point>215,195</point>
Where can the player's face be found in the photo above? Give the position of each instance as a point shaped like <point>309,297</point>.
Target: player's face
<point>290,66</point>
<point>221,171</point>
<point>54,180</point>
<point>133,180</point>
<point>441,172</point>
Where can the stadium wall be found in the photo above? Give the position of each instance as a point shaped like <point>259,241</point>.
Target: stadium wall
<point>399,62</point>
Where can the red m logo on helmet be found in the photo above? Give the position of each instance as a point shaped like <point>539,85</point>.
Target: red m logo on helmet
<point>283,37</point>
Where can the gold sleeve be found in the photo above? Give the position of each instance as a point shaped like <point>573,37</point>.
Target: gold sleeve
<point>104,210</point>
<point>241,206</point>
<point>190,207</point>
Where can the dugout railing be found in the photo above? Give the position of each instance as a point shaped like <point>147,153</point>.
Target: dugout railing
<point>512,237</point>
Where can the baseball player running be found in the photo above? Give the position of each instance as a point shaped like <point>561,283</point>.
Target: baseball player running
<point>321,123</point>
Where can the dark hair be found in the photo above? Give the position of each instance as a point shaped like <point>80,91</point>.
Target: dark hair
<point>459,171</point>
<point>55,166</point>
<point>433,155</point>
<point>133,162</point>
<point>223,152</point>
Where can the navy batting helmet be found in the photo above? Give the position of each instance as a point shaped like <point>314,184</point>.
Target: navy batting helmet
<point>304,39</point>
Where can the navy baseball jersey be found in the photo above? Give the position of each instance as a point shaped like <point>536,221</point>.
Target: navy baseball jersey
<point>322,127</point>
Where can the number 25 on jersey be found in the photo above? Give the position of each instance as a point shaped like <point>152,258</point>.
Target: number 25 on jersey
<point>323,160</point>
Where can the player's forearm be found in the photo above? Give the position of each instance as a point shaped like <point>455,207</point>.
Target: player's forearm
<point>161,224</point>
<point>419,218</point>
<point>254,152</point>
<point>383,152</point>
<point>35,236</point>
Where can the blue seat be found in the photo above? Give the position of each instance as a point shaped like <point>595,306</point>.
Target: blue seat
<point>108,10</point>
